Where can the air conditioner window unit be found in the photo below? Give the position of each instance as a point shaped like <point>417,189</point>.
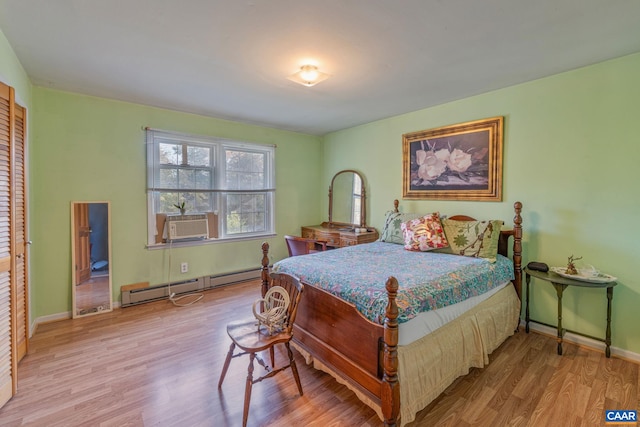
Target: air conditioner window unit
<point>187,227</point>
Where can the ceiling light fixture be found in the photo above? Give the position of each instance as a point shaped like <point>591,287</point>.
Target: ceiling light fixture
<point>308,75</point>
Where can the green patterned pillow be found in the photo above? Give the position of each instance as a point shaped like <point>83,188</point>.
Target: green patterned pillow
<point>472,238</point>
<point>391,231</point>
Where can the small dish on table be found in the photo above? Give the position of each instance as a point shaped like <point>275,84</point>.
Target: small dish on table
<point>593,277</point>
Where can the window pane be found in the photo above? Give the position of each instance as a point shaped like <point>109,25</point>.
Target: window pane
<point>246,213</point>
<point>168,178</point>
<point>203,179</point>
<point>233,203</point>
<point>248,204</point>
<point>170,154</point>
<point>232,181</point>
<point>233,224</point>
<point>244,170</point>
<point>204,202</point>
<point>259,222</point>
<point>166,200</point>
<point>186,179</point>
<point>258,180</point>
<point>199,156</point>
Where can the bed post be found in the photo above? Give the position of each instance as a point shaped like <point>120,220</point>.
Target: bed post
<point>265,268</point>
<point>390,393</point>
<point>517,248</point>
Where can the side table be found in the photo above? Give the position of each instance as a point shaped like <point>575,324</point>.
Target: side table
<point>560,284</point>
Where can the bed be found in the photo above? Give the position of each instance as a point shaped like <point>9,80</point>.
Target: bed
<point>357,334</point>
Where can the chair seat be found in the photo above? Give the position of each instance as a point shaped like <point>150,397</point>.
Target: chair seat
<point>245,334</point>
<point>302,245</point>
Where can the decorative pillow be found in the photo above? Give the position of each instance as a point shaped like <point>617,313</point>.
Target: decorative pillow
<point>391,231</point>
<point>473,238</point>
<point>424,234</point>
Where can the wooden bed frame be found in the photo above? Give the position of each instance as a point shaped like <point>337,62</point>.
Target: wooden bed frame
<point>327,326</point>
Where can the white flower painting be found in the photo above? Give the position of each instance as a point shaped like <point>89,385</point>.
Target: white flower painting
<point>462,162</point>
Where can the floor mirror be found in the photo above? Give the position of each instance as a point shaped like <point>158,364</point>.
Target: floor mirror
<point>90,258</point>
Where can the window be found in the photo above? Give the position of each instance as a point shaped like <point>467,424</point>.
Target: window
<point>233,180</point>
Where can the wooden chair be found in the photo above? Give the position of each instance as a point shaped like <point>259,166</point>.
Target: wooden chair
<point>302,245</point>
<point>246,335</point>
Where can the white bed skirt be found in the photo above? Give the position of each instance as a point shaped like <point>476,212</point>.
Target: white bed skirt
<point>427,366</point>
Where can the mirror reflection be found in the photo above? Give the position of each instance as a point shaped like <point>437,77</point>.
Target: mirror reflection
<point>346,199</point>
<point>91,258</point>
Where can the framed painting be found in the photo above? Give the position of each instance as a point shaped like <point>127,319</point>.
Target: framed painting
<point>456,162</point>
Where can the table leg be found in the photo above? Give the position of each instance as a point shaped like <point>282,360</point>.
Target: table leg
<point>559,290</point>
<point>526,315</point>
<point>608,339</point>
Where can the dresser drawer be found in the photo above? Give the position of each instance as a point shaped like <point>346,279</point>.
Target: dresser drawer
<point>332,239</point>
<point>308,234</point>
<point>336,237</point>
<point>348,241</point>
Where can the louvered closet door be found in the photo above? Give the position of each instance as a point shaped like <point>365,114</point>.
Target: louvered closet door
<point>20,270</point>
<point>7,363</point>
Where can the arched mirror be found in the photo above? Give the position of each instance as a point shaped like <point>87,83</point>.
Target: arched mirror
<point>347,199</point>
<point>90,258</point>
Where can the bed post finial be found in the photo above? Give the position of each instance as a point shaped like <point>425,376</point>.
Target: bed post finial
<point>517,248</point>
<point>390,392</point>
<point>396,203</point>
<point>265,268</point>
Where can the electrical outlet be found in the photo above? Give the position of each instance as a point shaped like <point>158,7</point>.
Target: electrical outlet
<point>184,267</point>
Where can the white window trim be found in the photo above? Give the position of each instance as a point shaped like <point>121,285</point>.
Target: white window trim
<point>219,145</point>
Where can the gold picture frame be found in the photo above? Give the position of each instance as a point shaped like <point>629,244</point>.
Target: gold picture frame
<point>456,162</point>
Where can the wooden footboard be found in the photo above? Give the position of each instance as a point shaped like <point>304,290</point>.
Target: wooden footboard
<point>362,352</point>
<point>324,315</point>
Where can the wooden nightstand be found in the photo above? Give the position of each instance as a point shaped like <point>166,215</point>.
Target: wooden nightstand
<point>561,283</point>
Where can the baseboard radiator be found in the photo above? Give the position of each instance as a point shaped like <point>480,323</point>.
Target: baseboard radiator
<point>140,293</point>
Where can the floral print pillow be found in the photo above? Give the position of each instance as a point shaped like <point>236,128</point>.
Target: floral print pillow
<point>392,231</point>
<point>424,234</point>
<point>473,238</point>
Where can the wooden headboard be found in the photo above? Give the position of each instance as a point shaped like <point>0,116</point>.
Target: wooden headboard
<point>503,242</point>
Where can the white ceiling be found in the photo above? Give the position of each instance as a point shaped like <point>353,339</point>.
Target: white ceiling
<point>230,58</point>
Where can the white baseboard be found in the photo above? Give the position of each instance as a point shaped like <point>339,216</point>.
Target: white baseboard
<point>46,319</point>
<point>208,282</point>
<point>583,341</point>
<point>56,317</point>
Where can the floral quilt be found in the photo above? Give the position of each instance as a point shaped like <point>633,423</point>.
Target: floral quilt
<point>427,280</point>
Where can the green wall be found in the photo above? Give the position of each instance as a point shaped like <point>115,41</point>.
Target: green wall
<point>571,149</point>
<point>12,73</point>
<point>92,149</point>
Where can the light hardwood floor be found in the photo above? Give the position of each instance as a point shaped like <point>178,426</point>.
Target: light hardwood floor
<point>93,295</point>
<point>158,365</point>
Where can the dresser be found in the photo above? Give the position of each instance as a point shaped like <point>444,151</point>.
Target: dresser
<point>339,236</point>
